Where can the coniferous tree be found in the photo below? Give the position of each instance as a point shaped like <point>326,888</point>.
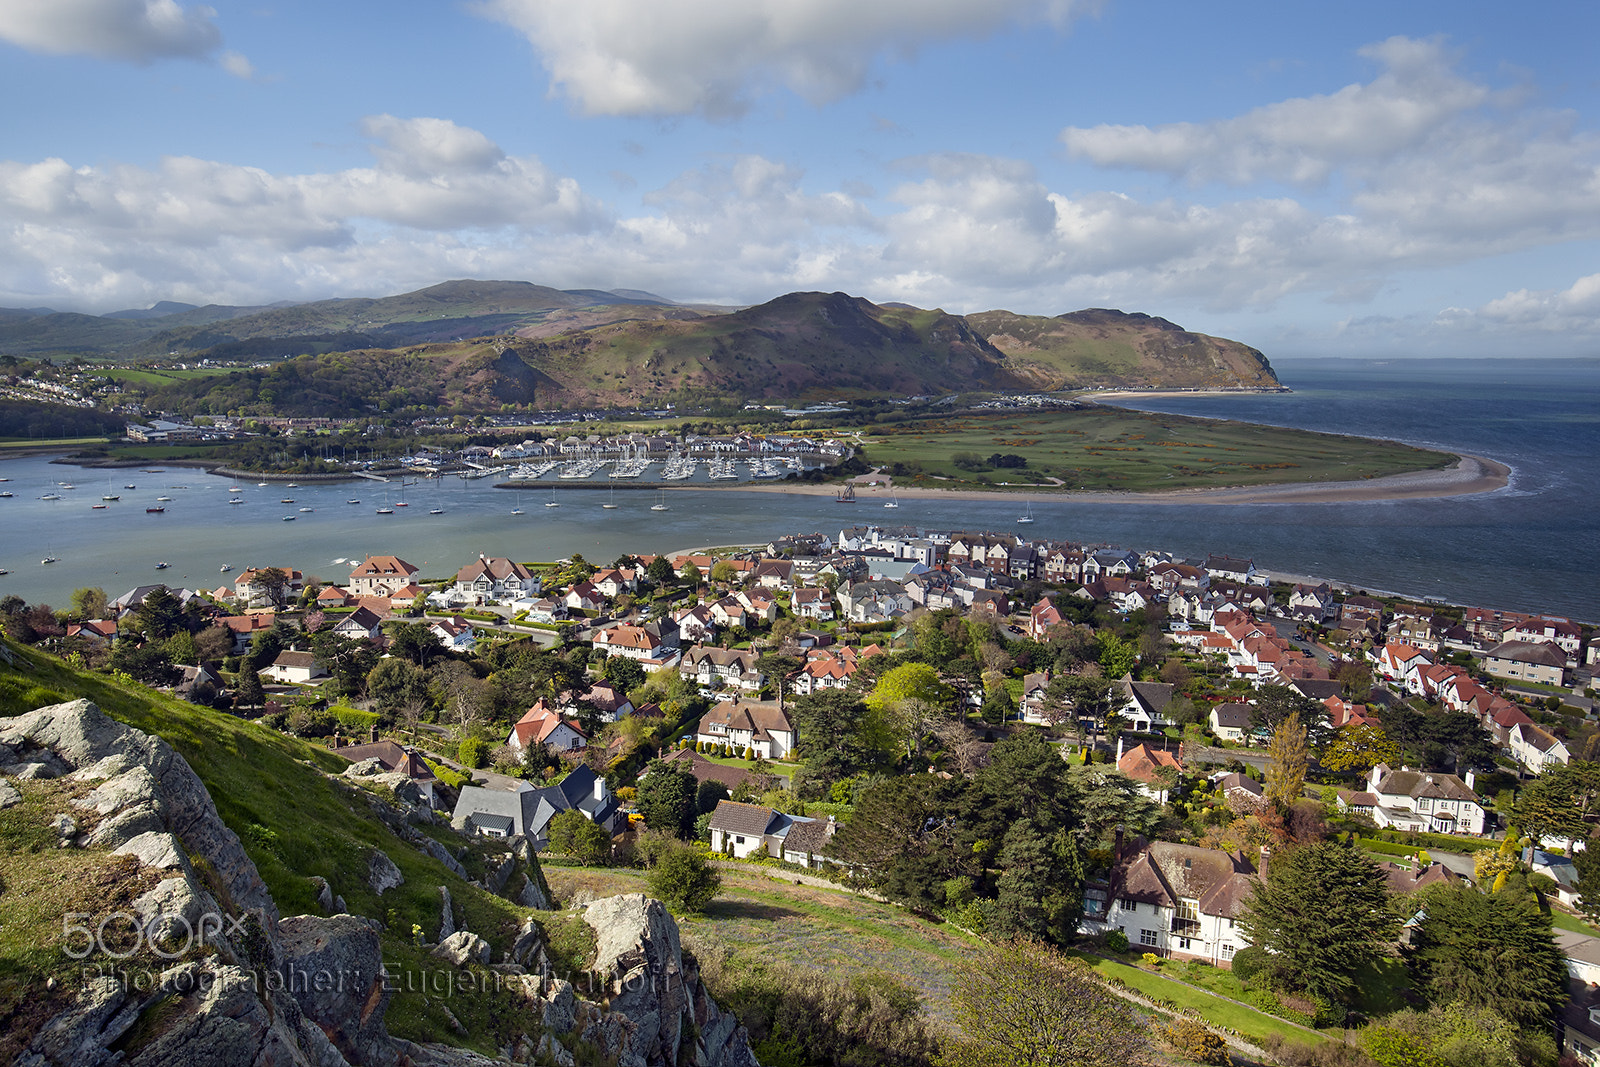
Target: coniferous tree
<point>1492,951</point>
<point>667,800</point>
<point>1323,911</point>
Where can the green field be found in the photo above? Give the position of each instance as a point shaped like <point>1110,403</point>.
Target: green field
<point>150,379</point>
<point>50,442</point>
<point>1102,448</point>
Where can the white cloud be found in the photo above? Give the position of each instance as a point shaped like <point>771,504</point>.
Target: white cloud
<point>1302,140</point>
<point>139,31</point>
<point>1575,309</point>
<point>672,57</point>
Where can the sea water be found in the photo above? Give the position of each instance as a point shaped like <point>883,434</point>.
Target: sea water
<point>1529,547</point>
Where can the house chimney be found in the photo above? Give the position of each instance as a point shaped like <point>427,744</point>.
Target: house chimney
<point>1119,749</point>
<point>1472,777</point>
<point>1116,853</point>
<point>373,733</point>
<point>599,788</point>
<point>1266,854</point>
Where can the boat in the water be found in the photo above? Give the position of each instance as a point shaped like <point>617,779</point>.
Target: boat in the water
<point>290,518</point>
<point>847,495</point>
<point>661,502</point>
<point>158,509</point>
<point>1027,516</point>
<point>225,568</point>
<point>163,565</point>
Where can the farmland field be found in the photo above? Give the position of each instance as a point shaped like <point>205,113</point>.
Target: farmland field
<point>1101,448</point>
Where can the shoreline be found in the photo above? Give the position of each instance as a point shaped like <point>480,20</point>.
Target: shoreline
<point>1470,475</point>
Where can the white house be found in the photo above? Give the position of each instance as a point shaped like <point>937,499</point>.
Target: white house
<point>1180,901</point>
<point>488,579</point>
<point>761,727</point>
<point>1537,749</point>
<point>295,668</point>
<point>1424,801</point>
<point>740,830</point>
<point>543,726</point>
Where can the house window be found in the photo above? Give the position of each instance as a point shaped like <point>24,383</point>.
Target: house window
<point>1227,952</point>
<point>738,840</point>
<point>1127,905</point>
<point>1147,938</point>
<point>1183,944</point>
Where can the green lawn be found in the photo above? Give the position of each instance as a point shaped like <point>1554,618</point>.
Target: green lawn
<point>782,769</point>
<point>1571,923</point>
<point>1103,448</point>
<point>1252,1024</point>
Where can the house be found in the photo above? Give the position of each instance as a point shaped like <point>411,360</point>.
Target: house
<point>813,604</point>
<point>613,583</point>
<point>1144,704</point>
<point>612,703</point>
<point>1230,569</point>
<point>1180,901</point>
<point>1536,748</point>
<point>525,811</point>
<point>634,642</point>
<point>761,727</point>
<point>1424,801</point>
<point>245,627</point>
<point>1312,603</point>
<point>730,778</point>
<point>584,597</point>
<point>1041,617</point>
<point>361,624</point>
<point>542,725</point>
<point>774,574</point>
<point>1580,1015</point>
<point>1361,613</point>
<point>1148,766</point>
<point>1231,722</point>
<point>1035,697</point>
<point>1401,879</point>
<point>251,591</point>
<point>455,634</point>
<point>739,830</point>
<point>199,683</point>
<point>97,631</point>
<point>395,759</point>
<point>1403,665</point>
<point>696,625</point>
<point>1243,794</point>
<point>295,668</point>
<point>488,579</point>
<point>1525,661</point>
<point>1540,629</point>
<point>721,668</point>
<point>381,576</point>
<point>1358,802</point>
<point>807,841</point>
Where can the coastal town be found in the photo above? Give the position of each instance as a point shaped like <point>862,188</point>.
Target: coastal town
<point>511,693</point>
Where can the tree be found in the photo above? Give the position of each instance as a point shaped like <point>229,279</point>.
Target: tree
<point>624,673</point>
<point>1563,802</point>
<point>1040,892</point>
<point>572,833</point>
<point>667,799</point>
<point>836,737</point>
<point>574,570</point>
<point>347,660</point>
<point>1286,774</point>
<point>1359,746</point>
<point>1117,657</point>
<point>724,572</point>
<point>159,615</point>
<point>690,574</point>
<point>416,642</point>
<point>1275,703</point>
<point>1587,860</point>
<point>274,582</point>
<point>1323,911</point>
<point>1491,951</point>
<point>1023,1004</point>
<point>660,571</point>
<point>902,834</point>
<point>1109,799</point>
<point>684,879</point>
<point>148,663</point>
<point>709,795</point>
<point>90,602</point>
<point>249,692</point>
<point>1087,697</point>
<point>393,682</point>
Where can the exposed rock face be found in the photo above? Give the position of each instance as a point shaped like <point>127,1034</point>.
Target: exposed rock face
<point>463,947</point>
<point>447,918</point>
<point>637,949</point>
<point>150,780</point>
<point>382,874</point>
<point>333,968</point>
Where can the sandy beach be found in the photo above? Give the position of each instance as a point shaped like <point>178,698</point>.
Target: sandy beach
<point>1470,474</point>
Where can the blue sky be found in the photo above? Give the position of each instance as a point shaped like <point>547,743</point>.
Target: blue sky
<point>1313,179</point>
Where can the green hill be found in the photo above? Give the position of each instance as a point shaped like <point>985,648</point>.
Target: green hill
<point>1100,347</point>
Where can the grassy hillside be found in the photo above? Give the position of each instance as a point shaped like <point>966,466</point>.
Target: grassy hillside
<point>1101,347</point>
<point>295,822</point>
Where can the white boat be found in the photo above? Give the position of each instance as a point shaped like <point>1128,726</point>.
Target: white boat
<point>130,485</point>
<point>352,501</point>
<point>892,502</point>
<point>225,568</point>
<point>290,518</point>
<point>6,493</point>
<point>236,500</point>
<point>163,565</point>
<point>516,511</point>
<point>51,496</point>
<point>111,496</point>
<point>307,509</point>
<point>48,559</point>
<point>164,499</point>
<point>386,510</point>
<point>1027,516</point>
<point>436,511</point>
<point>231,489</point>
<point>661,502</point>
<point>611,505</point>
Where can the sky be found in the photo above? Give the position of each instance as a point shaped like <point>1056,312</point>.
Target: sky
<point>1350,179</point>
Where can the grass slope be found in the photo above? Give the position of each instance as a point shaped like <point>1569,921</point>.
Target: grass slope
<point>295,822</point>
<point>1102,347</point>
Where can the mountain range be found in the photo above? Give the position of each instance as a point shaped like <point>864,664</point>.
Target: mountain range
<point>468,344</point>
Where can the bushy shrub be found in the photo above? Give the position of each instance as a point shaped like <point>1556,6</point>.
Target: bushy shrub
<point>471,753</point>
<point>1249,963</point>
<point>1192,1039</point>
<point>685,880</point>
<point>1117,941</point>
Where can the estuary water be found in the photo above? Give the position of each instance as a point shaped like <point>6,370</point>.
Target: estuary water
<point>1531,546</point>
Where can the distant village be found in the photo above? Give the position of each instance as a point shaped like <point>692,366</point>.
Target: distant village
<point>512,692</point>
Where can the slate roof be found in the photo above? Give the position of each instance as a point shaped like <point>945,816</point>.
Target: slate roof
<point>808,837</point>
<point>1232,716</point>
<point>1164,872</point>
